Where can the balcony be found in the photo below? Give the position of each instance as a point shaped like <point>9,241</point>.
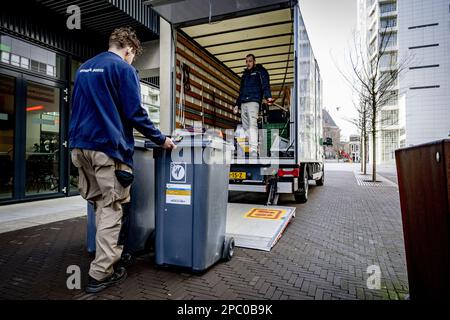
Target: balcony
<point>373,8</point>
<point>388,29</point>
<point>388,9</point>
<point>389,14</point>
<point>373,37</point>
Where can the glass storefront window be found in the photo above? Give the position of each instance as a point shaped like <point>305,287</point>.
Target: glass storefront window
<point>73,180</point>
<point>31,57</point>
<point>7,124</point>
<point>42,139</point>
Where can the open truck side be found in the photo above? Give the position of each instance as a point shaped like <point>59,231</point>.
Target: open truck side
<point>210,39</point>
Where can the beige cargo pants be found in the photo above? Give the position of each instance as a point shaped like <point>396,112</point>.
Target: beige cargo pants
<point>249,114</point>
<point>97,182</point>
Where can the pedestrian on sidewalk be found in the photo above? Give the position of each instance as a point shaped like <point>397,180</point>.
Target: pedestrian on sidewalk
<point>106,106</point>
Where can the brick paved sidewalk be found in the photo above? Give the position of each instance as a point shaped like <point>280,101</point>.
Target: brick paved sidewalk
<point>323,254</point>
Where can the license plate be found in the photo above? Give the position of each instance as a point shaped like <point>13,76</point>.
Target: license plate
<point>238,175</point>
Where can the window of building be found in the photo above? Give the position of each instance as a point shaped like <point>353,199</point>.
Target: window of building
<point>402,143</point>
<point>5,57</point>
<point>388,7</point>
<point>25,63</point>
<point>151,102</point>
<point>7,132</point>
<point>391,99</point>
<point>388,23</point>
<point>387,82</point>
<point>388,60</point>
<point>389,40</point>
<point>15,60</point>
<point>389,118</point>
<point>24,55</point>
<point>389,144</point>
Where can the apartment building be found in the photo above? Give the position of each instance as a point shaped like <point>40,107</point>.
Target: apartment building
<point>378,28</point>
<point>416,31</point>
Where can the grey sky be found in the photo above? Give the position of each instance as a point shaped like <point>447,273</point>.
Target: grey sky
<point>330,25</point>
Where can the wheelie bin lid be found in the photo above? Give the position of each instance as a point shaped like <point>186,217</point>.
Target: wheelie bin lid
<point>141,143</point>
<point>195,140</point>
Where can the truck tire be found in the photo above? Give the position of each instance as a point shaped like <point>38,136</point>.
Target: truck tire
<point>321,180</point>
<point>302,197</point>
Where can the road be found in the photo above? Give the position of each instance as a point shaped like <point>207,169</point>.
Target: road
<point>324,254</point>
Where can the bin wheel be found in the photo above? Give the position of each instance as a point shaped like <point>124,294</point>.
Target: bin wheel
<point>228,249</point>
<point>150,243</point>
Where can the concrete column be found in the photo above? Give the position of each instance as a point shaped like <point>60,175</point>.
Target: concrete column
<point>166,76</point>
<point>148,62</point>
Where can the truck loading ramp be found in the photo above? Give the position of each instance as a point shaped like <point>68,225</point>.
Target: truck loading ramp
<point>256,226</point>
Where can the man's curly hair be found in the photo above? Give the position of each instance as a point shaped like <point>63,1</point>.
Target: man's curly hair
<point>123,37</point>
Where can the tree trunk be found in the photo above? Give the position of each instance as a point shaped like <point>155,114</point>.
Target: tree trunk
<point>374,148</point>
<point>365,151</point>
<point>361,141</point>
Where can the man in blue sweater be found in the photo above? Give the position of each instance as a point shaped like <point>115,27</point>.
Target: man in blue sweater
<point>106,106</point>
<point>255,85</point>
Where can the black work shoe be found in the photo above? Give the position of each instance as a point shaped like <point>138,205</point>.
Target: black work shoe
<point>126,261</point>
<point>117,277</point>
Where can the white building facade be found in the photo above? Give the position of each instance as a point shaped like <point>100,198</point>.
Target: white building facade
<point>354,147</point>
<point>424,38</point>
<point>419,33</point>
<point>377,23</point>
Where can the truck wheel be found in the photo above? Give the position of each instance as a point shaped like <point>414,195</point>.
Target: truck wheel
<point>302,197</point>
<point>228,249</point>
<point>321,180</point>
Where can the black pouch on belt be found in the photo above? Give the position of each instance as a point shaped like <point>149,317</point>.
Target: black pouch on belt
<point>125,178</point>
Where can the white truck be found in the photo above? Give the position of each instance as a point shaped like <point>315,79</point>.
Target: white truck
<point>210,39</point>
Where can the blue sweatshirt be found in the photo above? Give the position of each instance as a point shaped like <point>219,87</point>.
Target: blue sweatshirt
<point>255,85</point>
<point>106,106</point>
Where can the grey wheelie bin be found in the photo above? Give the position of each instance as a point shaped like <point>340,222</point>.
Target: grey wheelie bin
<point>138,224</point>
<point>191,203</point>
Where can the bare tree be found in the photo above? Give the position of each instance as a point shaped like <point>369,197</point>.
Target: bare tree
<point>363,119</point>
<point>361,122</point>
<point>374,75</point>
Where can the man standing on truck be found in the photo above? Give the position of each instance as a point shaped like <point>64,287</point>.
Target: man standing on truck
<point>255,85</point>
<point>106,106</point>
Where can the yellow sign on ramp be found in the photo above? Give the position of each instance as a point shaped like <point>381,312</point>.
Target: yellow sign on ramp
<point>263,213</point>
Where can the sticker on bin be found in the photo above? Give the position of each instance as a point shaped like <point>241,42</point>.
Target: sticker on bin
<point>178,194</point>
<point>178,172</point>
<point>269,214</point>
